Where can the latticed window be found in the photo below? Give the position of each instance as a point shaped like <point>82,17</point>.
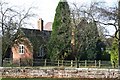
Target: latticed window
<point>21,49</point>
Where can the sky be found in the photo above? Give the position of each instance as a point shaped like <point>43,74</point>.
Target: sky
<point>45,9</point>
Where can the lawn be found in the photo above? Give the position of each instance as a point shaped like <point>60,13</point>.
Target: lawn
<point>52,79</point>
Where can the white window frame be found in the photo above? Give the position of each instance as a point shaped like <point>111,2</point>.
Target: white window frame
<point>21,49</point>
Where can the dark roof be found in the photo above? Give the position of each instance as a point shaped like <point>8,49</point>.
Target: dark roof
<point>35,32</point>
<point>36,37</point>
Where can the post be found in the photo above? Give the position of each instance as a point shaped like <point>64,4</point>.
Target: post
<point>62,62</point>
<point>45,62</point>
<point>71,63</point>
<point>77,62</point>
<point>85,63</point>
<point>58,63</point>
<point>20,62</point>
<point>99,63</point>
<point>95,63</point>
<point>32,62</point>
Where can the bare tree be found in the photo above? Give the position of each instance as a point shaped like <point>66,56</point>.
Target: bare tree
<point>100,13</point>
<point>11,19</point>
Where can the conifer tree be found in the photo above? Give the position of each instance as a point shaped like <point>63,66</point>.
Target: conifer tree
<point>59,44</point>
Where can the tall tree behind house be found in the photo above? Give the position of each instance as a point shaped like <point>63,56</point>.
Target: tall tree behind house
<point>59,44</point>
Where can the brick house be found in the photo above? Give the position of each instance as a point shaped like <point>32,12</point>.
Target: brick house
<point>30,44</point>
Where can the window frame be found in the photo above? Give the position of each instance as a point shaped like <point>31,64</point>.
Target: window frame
<point>21,49</point>
<point>41,51</point>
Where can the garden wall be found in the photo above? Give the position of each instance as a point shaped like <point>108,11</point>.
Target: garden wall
<point>29,72</point>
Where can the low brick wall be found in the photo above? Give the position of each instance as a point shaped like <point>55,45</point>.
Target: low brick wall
<point>29,72</point>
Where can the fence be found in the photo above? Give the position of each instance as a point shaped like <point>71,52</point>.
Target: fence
<point>65,63</point>
<point>72,63</point>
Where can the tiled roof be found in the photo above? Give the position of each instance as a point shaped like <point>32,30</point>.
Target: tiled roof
<point>36,32</point>
<point>35,35</point>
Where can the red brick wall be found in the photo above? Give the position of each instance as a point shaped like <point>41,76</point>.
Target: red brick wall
<point>28,51</point>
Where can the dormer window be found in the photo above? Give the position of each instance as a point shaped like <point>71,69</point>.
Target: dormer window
<point>21,49</point>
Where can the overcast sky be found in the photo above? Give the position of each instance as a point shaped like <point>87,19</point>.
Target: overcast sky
<point>46,8</point>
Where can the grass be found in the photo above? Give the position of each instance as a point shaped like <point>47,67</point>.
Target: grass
<point>53,79</point>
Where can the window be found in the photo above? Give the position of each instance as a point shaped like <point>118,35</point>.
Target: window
<point>41,51</point>
<point>21,49</point>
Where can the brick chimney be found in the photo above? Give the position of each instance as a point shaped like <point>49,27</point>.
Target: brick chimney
<point>40,24</point>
